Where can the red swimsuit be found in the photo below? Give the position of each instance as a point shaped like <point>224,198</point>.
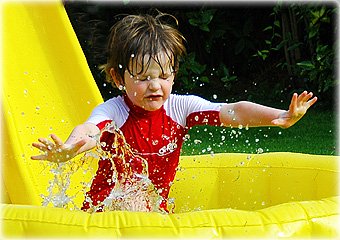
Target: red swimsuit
<point>156,136</point>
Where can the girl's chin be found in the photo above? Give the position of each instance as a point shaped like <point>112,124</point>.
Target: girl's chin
<point>153,106</point>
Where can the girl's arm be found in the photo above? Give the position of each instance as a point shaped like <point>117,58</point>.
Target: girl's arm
<point>81,139</point>
<point>254,115</point>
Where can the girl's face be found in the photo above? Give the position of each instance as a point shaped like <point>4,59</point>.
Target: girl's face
<point>151,88</point>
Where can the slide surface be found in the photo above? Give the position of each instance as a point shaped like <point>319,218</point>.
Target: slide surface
<point>48,88</point>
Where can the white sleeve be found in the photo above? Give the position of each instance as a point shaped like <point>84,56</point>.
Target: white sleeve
<point>113,109</point>
<point>179,107</point>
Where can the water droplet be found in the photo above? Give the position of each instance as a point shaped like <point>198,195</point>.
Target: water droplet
<point>186,137</point>
<point>231,111</point>
<point>214,96</point>
<point>257,140</point>
<point>120,66</point>
<point>196,118</point>
<point>197,141</point>
<point>37,108</point>
<point>259,151</point>
<point>132,55</point>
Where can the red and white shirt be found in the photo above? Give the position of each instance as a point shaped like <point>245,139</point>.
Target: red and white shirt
<point>157,136</point>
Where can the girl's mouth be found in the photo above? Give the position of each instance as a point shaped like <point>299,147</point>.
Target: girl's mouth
<point>154,97</point>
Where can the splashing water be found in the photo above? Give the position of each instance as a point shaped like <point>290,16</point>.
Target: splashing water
<point>58,187</point>
<point>132,191</point>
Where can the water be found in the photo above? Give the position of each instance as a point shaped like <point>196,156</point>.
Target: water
<point>132,191</point>
<point>57,190</point>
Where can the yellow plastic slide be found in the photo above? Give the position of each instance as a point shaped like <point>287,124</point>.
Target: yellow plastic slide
<point>48,88</point>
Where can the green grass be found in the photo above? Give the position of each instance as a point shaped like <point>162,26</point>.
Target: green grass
<point>316,133</point>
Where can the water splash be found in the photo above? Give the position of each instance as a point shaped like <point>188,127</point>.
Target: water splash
<point>58,187</point>
<point>132,191</point>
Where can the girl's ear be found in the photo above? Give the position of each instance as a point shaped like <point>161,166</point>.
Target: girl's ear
<point>116,78</point>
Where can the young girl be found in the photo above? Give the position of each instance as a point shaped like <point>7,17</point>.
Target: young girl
<point>143,59</point>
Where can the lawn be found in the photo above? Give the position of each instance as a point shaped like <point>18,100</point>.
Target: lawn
<point>316,133</point>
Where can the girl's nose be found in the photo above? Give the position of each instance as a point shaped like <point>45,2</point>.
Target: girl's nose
<point>154,84</point>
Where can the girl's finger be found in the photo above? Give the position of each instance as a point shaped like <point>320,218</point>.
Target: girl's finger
<point>302,98</point>
<point>312,101</point>
<point>302,95</point>
<point>57,140</point>
<point>307,97</point>
<point>293,103</point>
<point>45,141</point>
<point>40,146</point>
<point>39,157</point>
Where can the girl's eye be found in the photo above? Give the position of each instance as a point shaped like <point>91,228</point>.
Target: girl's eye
<point>147,78</point>
<point>141,78</point>
<point>165,76</point>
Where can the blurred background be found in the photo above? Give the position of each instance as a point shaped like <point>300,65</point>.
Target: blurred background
<point>260,52</point>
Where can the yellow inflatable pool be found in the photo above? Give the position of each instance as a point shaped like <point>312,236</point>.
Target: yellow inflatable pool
<point>48,88</point>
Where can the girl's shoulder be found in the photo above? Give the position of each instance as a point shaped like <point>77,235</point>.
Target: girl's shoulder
<point>186,100</point>
<point>112,109</point>
<point>176,98</point>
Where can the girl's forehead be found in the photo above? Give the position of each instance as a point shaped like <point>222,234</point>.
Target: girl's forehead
<point>141,63</point>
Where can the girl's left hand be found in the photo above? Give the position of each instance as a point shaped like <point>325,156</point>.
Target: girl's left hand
<point>297,108</point>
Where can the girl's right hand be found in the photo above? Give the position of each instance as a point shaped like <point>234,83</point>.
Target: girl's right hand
<point>57,151</point>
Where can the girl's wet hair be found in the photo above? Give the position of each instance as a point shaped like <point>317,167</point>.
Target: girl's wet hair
<point>137,36</point>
